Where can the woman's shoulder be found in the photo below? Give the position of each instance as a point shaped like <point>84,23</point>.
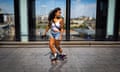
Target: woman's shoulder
<point>61,18</point>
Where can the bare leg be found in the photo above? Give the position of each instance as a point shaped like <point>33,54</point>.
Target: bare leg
<point>57,45</point>
<point>51,45</point>
<point>61,55</point>
<point>53,50</point>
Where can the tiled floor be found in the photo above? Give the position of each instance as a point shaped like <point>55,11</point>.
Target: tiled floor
<point>79,60</point>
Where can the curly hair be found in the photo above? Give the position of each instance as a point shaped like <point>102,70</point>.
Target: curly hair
<point>51,15</point>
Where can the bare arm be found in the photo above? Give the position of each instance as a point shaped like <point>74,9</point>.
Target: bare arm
<point>62,26</point>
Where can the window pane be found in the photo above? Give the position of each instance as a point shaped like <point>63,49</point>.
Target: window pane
<point>119,29</point>
<point>7,25</point>
<point>83,19</point>
<point>43,7</point>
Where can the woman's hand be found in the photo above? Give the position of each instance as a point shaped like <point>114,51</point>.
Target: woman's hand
<point>44,35</point>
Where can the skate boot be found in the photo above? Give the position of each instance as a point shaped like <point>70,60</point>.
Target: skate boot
<point>53,58</point>
<point>62,56</point>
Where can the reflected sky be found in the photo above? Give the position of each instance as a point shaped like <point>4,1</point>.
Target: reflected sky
<point>78,7</point>
<point>7,6</point>
<point>43,7</point>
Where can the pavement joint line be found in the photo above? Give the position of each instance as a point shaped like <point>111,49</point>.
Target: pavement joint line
<point>63,43</point>
<point>64,46</point>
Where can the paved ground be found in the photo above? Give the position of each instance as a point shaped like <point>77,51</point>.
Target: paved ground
<point>79,60</point>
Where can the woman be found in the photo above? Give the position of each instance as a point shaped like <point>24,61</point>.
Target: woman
<point>56,26</point>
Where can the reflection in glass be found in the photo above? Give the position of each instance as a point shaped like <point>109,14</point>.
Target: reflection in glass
<point>7,25</point>
<point>119,32</point>
<point>43,7</point>
<point>83,19</point>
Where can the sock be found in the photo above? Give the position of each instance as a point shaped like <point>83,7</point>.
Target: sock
<point>55,54</point>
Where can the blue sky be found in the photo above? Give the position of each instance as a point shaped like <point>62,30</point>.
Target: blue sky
<point>83,8</point>
<point>78,7</point>
<point>7,6</point>
<point>43,7</point>
<point>88,1</point>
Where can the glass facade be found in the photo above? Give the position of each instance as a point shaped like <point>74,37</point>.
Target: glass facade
<point>43,7</point>
<point>85,20</point>
<point>119,31</point>
<point>23,20</point>
<point>110,19</point>
<point>7,23</point>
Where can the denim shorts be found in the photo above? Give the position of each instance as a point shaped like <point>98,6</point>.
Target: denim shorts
<point>55,35</point>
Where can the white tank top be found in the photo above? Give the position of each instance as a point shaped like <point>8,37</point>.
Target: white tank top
<point>55,25</point>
